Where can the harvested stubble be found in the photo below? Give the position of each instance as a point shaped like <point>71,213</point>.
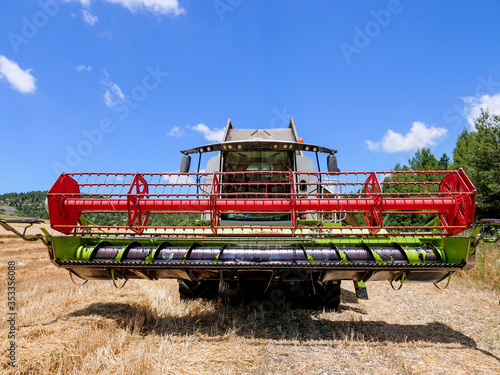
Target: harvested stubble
<point>486,273</point>
<point>145,329</point>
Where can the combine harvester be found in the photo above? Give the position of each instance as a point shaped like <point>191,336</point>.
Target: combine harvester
<point>261,216</point>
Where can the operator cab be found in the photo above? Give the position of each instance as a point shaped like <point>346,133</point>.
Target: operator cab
<point>258,163</point>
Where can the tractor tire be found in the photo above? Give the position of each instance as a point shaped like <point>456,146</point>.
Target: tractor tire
<point>199,289</point>
<point>327,294</point>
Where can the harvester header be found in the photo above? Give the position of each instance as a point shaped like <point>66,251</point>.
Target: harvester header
<point>297,201</point>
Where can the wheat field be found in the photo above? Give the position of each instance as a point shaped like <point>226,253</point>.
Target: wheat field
<point>144,328</point>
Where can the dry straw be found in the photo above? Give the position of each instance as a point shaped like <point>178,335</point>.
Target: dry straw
<point>145,328</point>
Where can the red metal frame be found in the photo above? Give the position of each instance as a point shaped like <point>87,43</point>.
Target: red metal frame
<point>138,190</point>
<point>462,211</point>
<point>214,212</point>
<point>373,216</point>
<point>62,219</point>
<point>451,198</point>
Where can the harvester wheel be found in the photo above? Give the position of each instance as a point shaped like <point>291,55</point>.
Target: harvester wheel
<point>327,294</point>
<point>199,289</point>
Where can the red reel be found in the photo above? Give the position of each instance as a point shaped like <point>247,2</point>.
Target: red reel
<point>373,217</point>
<point>138,190</point>
<point>62,219</point>
<point>462,214</point>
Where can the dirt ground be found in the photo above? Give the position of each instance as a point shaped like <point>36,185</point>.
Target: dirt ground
<point>144,328</point>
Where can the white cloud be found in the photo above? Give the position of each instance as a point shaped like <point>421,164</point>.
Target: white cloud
<point>89,18</point>
<point>21,80</point>
<point>179,179</point>
<point>113,95</point>
<point>473,105</point>
<point>80,68</point>
<point>418,137</point>
<point>209,134</point>
<point>161,7</point>
<point>154,6</point>
<point>85,3</point>
<point>175,132</point>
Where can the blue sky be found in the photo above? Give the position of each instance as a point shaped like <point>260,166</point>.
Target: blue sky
<point>123,85</point>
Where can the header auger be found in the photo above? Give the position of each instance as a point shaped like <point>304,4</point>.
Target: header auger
<point>260,215</point>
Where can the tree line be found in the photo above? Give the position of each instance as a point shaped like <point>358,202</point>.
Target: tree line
<point>31,204</point>
<point>478,154</point>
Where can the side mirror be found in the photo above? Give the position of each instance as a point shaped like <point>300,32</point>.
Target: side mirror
<point>331,160</point>
<point>185,163</point>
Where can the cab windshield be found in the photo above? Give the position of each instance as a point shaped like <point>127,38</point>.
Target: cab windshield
<point>257,174</point>
<point>257,160</point>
